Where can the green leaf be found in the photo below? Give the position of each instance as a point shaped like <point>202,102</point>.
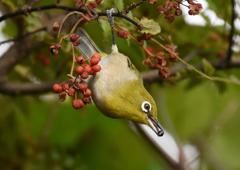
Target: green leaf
<point>10,29</point>
<point>106,28</point>
<point>9,4</point>
<point>207,67</point>
<point>150,26</point>
<point>119,4</point>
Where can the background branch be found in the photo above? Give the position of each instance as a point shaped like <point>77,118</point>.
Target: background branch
<point>14,88</point>
<point>15,54</point>
<point>231,34</point>
<point>24,35</point>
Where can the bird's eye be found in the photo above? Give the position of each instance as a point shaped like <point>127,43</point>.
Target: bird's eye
<point>146,107</point>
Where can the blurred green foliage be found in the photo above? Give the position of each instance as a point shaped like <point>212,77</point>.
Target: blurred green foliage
<point>39,133</point>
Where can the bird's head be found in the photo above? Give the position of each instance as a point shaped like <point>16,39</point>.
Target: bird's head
<point>133,102</point>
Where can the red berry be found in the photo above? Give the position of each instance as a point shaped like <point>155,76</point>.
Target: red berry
<point>82,86</point>
<point>57,88</point>
<point>55,49</point>
<point>77,103</point>
<point>55,27</point>
<point>95,60</point>
<point>57,46</point>
<point>86,99</point>
<point>87,93</point>
<point>74,37</point>
<point>80,59</point>
<point>79,69</point>
<point>76,43</point>
<point>71,91</point>
<point>96,68</point>
<point>123,34</point>
<point>62,96</point>
<point>65,86</point>
<point>87,68</point>
<point>92,5</point>
<point>149,51</point>
<point>97,55</point>
<point>84,75</point>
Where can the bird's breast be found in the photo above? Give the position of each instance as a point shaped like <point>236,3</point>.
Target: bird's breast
<point>115,72</point>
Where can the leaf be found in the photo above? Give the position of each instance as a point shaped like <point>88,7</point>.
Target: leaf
<point>10,29</point>
<point>150,26</point>
<point>207,67</point>
<point>9,4</point>
<point>119,4</point>
<point>106,28</point>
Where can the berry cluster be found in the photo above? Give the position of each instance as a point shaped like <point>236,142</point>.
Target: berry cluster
<point>171,8</point>
<point>85,69</point>
<point>160,60</point>
<point>76,87</point>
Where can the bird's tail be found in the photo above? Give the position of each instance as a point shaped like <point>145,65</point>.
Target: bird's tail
<point>86,46</point>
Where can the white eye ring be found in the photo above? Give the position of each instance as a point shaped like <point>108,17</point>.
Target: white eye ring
<point>146,107</point>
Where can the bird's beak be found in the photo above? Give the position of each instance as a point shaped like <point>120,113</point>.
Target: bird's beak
<point>155,125</point>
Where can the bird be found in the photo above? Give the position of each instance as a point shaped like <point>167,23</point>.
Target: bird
<point>118,89</point>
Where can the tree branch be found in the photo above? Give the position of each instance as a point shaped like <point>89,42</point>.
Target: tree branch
<point>14,54</point>
<point>231,34</point>
<point>31,88</point>
<point>24,35</point>
<point>171,162</point>
<point>12,88</point>
<point>29,10</point>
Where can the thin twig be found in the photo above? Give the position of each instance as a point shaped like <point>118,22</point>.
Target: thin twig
<point>133,6</point>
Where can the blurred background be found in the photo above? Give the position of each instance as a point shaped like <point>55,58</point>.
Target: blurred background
<point>37,132</point>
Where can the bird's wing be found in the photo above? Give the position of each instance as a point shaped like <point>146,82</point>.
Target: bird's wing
<point>86,46</point>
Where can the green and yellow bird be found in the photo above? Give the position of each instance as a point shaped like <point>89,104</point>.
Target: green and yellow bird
<point>118,89</point>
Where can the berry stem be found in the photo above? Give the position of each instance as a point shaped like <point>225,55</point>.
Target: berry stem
<point>76,25</point>
<point>64,19</point>
<point>62,38</point>
<point>73,60</point>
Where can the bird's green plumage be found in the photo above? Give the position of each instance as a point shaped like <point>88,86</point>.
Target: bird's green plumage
<point>118,89</point>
